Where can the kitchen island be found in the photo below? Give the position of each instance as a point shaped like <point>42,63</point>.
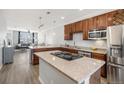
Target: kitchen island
<point>55,70</point>
<point>35,60</point>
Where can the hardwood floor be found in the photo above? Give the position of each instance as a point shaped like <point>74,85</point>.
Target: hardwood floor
<point>20,71</point>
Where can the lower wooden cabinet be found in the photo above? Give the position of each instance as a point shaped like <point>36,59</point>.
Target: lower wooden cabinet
<point>35,59</point>
<point>69,50</point>
<point>101,57</point>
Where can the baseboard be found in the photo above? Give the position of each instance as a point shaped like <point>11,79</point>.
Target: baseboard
<point>41,81</point>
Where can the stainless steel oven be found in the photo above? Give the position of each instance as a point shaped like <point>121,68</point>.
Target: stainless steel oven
<point>102,34</point>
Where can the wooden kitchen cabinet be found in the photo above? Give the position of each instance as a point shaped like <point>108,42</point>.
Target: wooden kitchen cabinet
<point>85,29</point>
<point>71,50</point>
<point>35,58</point>
<point>68,35</point>
<point>110,16</point>
<point>95,22</point>
<point>73,27</point>
<point>98,22</point>
<point>78,26</point>
<point>101,57</point>
<point>102,22</point>
<point>92,23</point>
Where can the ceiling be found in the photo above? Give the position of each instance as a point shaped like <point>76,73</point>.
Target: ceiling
<point>40,19</point>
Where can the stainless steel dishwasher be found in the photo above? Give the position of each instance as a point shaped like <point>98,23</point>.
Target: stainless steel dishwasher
<point>85,53</point>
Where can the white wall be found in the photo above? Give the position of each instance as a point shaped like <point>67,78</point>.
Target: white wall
<point>3,30</point>
<point>52,36</point>
<point>56,36</point>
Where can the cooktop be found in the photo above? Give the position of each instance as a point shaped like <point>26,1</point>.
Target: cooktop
<point>66,55</point>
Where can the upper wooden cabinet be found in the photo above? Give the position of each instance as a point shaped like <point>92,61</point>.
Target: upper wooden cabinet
<point>68,35</point>
<point>98,22</point>
<point>92,23</point>
<point>78,26</point>
<point>109,19</point>
<point>102,21</point>
<point>73,27</point>
<point>85,29</point>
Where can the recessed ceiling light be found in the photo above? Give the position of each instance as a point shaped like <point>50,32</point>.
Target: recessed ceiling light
<point>48,13</point>
<point>62,17</point>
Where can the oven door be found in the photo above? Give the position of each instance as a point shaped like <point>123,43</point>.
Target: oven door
<point>115,73</point>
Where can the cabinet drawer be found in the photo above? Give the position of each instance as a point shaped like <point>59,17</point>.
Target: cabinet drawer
<point>99,56</point>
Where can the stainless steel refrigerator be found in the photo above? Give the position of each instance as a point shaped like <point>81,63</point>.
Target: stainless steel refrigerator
<point>115,64</point>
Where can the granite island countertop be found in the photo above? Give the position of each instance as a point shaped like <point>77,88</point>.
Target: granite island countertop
<point>77,70</point>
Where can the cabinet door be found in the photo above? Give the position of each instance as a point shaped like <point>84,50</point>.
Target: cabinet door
<point>101,57</point>
<point>78,26</point>
<point>102,22</point>
<point>66,29</point>
<point>70,33</point>
<point>92,23</point>
<point>67,32</point>
<point>95,22</point>
<point>85,29</point>
<point>110,18</point>
<point>73,29</point>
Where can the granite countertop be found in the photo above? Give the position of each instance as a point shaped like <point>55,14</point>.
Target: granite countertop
<point>78,70</point>
<point>101,51</point>
<point>35,47</point>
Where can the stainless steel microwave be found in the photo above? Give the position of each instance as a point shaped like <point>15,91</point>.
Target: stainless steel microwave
<point>102,34</point>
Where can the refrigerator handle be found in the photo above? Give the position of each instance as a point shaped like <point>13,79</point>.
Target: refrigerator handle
<point>117,66</point>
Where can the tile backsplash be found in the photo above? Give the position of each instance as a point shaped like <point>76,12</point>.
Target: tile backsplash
<point>77,38</point>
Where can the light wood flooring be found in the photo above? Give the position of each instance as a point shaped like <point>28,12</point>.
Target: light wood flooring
<point>20,71</point>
